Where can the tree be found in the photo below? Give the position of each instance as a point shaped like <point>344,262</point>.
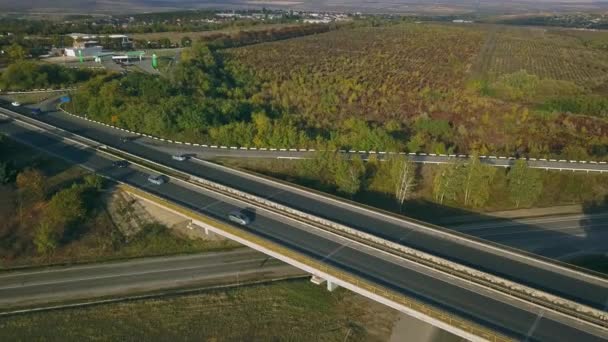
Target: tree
<point>16,52</point>
<point>402,177</point>
<point>65,208</point>
<point>45,238</point>
<point>348,174</point>
<point>93,182</point>
<point>32,184</point>
<point>476,183</point>
<point>447,182</point>
<point>186,41</point>
<point>525,184</point>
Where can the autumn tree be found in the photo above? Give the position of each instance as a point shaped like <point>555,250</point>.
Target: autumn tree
<point>525,184</point>
<point>32,184</point>
<point>348,174</point>
<point>477,179</point>
<point>45,238</point>
<point>402,176</point>
<point>16,52</point>
<point>447,182</point>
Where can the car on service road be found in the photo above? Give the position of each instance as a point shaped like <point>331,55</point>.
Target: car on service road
<point>120,163</point>
<point>15,104</point>
<point>179,157</point>
<point>239,217</point>
<point>157,179</point>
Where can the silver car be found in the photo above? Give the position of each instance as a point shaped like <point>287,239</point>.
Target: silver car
<point>239,217</point>
<point>157,179</point>
<point>179,157</point>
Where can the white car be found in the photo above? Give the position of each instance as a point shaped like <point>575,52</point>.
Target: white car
<point>239,217</point>
<point>179,157</point>
<point>16,104</point>
<point>157,179</point>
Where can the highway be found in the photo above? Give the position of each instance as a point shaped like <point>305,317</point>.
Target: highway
<point>126,278</point>
<point>554,236</point>
<point>508,316</point>
<point>407,233</point>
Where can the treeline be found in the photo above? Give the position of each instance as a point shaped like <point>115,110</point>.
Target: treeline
<point>243,37</point>
<point>465,183</point>
<point>248,37</point>
<point>25,75</point>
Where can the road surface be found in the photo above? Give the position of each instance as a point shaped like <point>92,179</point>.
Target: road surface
<point>555,236</point>
<point>43,286</point>
<point>508,316</point>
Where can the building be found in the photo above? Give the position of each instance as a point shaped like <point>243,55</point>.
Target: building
<point>89,45</point>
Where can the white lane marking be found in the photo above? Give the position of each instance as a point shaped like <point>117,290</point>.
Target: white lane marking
<point>534,325</point>
<point>328,256</point>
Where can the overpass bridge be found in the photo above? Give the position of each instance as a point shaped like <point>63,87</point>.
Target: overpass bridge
<point>476,290</point>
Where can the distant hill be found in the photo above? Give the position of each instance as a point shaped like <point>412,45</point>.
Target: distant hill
<point>400,6</point>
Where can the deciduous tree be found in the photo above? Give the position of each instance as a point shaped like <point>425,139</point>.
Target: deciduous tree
<point>348,174</point>
<point>525,184</point>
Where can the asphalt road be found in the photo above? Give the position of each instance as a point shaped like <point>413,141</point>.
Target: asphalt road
<point>556,236</point>
<point>43,286</point>
<point>409,234</point>
<point>508,316</point>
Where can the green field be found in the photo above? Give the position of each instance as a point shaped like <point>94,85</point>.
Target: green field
<point>284,311</point>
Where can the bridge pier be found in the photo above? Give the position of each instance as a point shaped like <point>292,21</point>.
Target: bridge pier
<point>192,225</point>
<point>319,280</point>
<point>331,286</point>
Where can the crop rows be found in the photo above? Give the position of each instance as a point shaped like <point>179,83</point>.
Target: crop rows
<point>373,73</point>
<point>546,54</point>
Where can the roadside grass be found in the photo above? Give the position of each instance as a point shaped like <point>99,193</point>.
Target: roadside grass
<point>283,311</point>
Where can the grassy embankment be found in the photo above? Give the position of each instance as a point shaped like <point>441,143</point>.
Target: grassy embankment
<point>285,311</point>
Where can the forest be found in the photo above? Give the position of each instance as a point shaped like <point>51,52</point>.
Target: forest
<point>435,88</point>
<point>27,75</point>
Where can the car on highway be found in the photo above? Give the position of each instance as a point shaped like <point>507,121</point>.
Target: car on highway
<point>125,139</point>
<point>36,111</point>
<point>15,104</point>
<point>179,157</point>
<point>157,179</point>
<point>120,163</point>
<point>239,217</point>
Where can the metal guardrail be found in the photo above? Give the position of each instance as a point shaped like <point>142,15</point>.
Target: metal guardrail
<point>389,294</point>
<point>534,296</point>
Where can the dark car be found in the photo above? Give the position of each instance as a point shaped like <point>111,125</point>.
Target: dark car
<point>120,163</point>
<point>36,111</point>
